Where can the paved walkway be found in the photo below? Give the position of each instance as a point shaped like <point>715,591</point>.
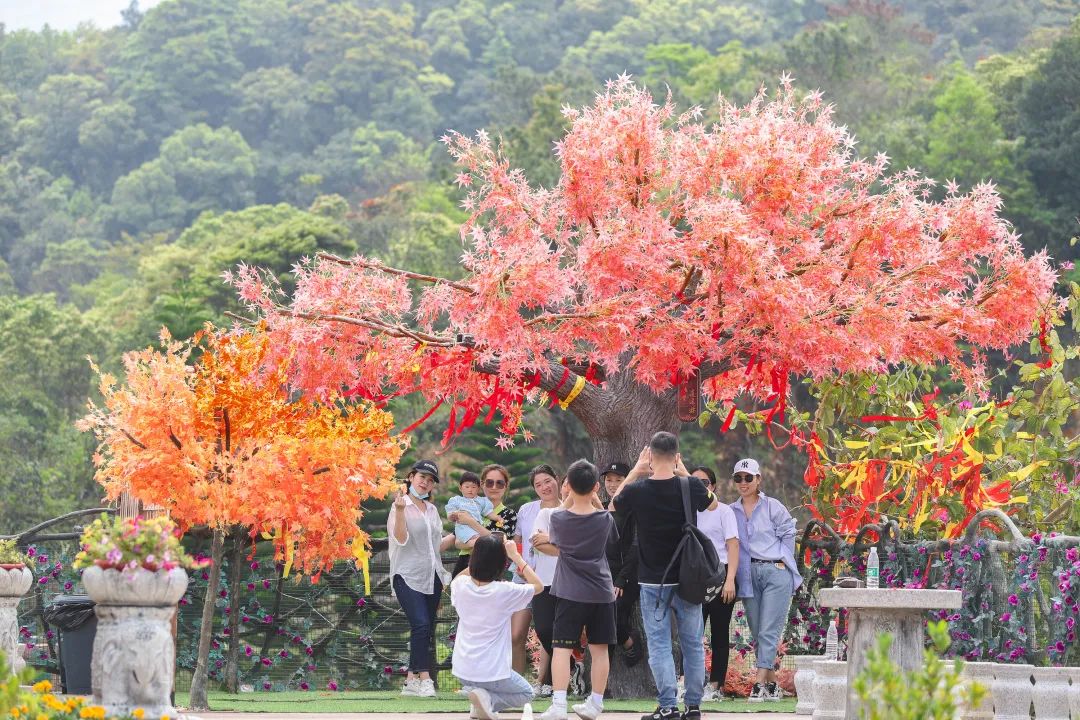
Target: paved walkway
<point>708,715</point>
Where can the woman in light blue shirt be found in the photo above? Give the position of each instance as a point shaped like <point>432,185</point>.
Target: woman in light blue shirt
<point>767,575</point>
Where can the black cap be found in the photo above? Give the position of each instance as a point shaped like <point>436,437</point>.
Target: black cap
<point>616,467</point>
<point>428,467</point>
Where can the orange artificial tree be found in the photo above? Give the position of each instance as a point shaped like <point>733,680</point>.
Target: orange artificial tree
<point>209,430</point>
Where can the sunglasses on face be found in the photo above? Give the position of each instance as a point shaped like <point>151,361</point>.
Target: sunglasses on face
<point>489,483</point>
<point>741,478</point>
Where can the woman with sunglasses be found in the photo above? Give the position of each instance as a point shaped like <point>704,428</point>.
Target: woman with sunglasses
<point>720,526</point>
<point>494,482</point>
<point>767,575</point>
<point>531,517</point>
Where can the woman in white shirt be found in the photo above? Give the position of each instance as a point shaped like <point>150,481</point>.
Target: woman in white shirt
<point>416,570</point>
<point>484,604</point>
<point>546,485</point>
<point>719,524</point>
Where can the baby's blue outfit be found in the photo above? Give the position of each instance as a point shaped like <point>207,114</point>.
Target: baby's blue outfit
<point>478,507</point>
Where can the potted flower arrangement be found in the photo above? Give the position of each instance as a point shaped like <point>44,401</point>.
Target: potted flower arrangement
<point>15,580</point>
<point>134,570</point>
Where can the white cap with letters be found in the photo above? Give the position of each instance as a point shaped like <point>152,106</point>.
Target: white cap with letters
<point>749,465</point>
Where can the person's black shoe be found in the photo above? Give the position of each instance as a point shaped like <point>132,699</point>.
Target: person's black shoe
<point>632,655</point>
<point>671,713</point>
<point>693,712</point>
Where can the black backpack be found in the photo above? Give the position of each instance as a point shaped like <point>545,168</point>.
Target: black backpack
<point>701,574</point>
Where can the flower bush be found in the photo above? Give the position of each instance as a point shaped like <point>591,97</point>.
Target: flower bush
<point>10,554</point>
<point>127,544</point>
<point>39,702</point>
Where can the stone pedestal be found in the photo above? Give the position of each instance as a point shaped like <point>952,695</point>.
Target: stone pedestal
<point>1012,692</point>
<point>1074,693</point>
<point>13,585</point>
<point>134,653</point>
<point>983,674</point>
<point>899,612</point>
<point>1050,694</point>
<point>804,683</point>
<point>830,689</point>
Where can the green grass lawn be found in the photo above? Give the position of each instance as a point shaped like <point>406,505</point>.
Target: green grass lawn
<point>386,701</point>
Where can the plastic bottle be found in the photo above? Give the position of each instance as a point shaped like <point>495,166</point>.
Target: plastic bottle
<point>873,570</point>
<point>831,645</point>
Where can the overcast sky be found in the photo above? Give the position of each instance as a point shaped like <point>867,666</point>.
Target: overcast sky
<point>64,14</point>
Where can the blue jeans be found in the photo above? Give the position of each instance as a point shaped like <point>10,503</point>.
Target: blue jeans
<point>511,692</point>
<point>691,626</point>
<point>420,609</point>
<point>767,610</point>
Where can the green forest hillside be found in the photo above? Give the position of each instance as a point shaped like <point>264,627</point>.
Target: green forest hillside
<point>138,163</point>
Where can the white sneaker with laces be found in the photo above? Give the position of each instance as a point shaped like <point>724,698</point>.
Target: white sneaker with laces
<point>555,712</point>
<point>680,691</point>
<point>481,704</point>
<point>587,710</point>
<point>427,689</point>
<point>543,691</point>
<point>411,687</point>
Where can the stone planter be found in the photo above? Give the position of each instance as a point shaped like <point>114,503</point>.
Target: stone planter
<point>1012,692</point>
<point>983,674</point>
<point>1074,693</point>
<point>830,689</point>
<point>15,580</point>
<point>804,683</point>
<point>1051,693</point>
<point>134,652</point>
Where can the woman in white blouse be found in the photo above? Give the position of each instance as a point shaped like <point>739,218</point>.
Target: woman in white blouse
<point>416,570</point>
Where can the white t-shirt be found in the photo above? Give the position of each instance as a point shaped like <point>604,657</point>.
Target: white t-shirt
<point>720,525</point>
<point>528,523</point>
<point>482,645</point>
<point>544,565</point>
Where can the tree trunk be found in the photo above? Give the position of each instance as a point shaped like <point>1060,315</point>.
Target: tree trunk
<point>198,700</point>
<point>620,425</point>
<point>232,662</point>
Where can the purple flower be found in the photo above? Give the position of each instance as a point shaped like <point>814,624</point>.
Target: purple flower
<point>309,651</point>
<point>1013,600</point>
<point>249,651</point>
<point>362,602</point>
<point>266,584</point>
<point>331,686</point>
<point>304,686</point>
<point>244,618</point>
<point>266,685</point>
<point>68,585</point>
<point>251,586</point>
<point>283,654</point>
<point>267,619</point>
<point>267,662</point>
<point>254,564</point>
<point>1005,617</point>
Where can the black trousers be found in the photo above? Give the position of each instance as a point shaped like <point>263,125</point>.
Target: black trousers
<point>543,609</point>
<point>624,612</point>
<point>718,615</point>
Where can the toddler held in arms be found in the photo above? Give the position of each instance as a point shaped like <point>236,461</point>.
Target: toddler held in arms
<point>472,502</point>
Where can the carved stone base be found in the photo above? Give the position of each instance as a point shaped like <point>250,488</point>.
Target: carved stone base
<point>1012,692</point>
<point>830,689</point>
<point>1074,692</point>
<point>134,654</point>
<point>804,683</point>
<point>983,674</point>
<point>908,629</point>
<point>13,585</point>
<point>1051,693</point>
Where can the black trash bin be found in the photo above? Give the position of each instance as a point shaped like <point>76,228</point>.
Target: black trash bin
<point>73,617</point>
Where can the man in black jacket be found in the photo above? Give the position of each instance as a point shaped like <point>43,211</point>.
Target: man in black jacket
<point>622,559</point>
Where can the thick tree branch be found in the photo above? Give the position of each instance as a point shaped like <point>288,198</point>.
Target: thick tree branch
<point>380,267</point>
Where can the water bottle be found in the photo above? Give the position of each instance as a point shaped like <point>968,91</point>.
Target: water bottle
<point>872,569</point>
<point>526,712</point>
<point>831,649</point>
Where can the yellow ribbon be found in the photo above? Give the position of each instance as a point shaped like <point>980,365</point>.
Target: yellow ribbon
<point>579,385</point>
<point>360,552</point>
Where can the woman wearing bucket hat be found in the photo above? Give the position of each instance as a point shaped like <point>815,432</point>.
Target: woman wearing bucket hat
<point>416,569</point>
<point>767,575</point>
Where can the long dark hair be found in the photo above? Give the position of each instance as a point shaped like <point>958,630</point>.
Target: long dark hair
<point>488,559</point>
<point>707,470</point>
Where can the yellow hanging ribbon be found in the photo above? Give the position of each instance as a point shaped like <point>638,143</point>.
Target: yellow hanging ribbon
<point>288,543</point>
<point>579,385</point>
<point>363,556</point>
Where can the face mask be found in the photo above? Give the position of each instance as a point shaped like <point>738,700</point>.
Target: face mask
<point>418,496</point>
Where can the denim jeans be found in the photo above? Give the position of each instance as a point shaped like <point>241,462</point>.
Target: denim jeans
<point>691,627</point>
<point>767,610</point>
<point>511,692</point>
<point>420,610</point>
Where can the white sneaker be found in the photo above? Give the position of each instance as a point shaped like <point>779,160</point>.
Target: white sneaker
<point>587,710</point>
<point>680,691</point>
<point>712,694</point>
<point>555,712</point>
<point>543,691</point>
<point>481,704</point>
<point>411,687</point>
<point>427,688</point>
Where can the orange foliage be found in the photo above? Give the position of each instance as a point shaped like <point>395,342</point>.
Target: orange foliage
<point>223,442</point>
